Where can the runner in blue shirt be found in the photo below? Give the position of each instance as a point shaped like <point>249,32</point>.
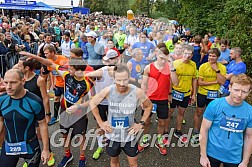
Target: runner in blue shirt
<point>226,130</point>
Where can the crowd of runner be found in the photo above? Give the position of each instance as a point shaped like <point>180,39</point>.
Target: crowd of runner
<point>116,67</point>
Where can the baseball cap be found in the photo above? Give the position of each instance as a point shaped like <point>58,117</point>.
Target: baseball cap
<point>110,54</point>
<point>91,34</point>
<point>187,29</point>
<point>120,29</point>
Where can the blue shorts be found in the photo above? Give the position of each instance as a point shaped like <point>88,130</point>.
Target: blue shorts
<point>58,91</point>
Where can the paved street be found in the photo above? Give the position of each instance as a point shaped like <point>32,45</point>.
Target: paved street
<point>150,157</point>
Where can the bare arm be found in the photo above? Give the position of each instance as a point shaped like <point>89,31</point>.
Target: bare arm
<point>42,86</point>
<point>221,79</point>
<point>1,124</point>
<point>96,100</point>
<point>144,85</point>
<point>129,65</point>
<point>247,148</point>
<point>147,105</point>
<point>194,86</point>
<point>206,124</point>
<point>201,82</point>
<point>229,76</point>
<point>44,134</point>
<point>39,59</point>
<point>97,73</point>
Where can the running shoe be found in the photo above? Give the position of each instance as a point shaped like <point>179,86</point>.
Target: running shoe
<point>82,163</point>
<point>53,121</point>
<point>166,141</point>
<point>65,161</point>
<point>25,165</point>
<point>51,160</point>
<point>143,144</point>
<point>97,153</point>
<point>180,136</point>
<point>160,145</point>
<point>195,138</point>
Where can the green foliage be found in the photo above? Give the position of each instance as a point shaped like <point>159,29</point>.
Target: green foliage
<point>229,19</point>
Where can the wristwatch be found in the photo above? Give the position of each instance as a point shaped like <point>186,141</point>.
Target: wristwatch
<point>142,123</point>
<point>218,71</point>
<point>173,70</point>
<point>48,114</point>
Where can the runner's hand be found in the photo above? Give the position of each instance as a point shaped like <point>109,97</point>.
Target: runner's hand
<point>170,99</point>
<point>45,156</point>
<point>72,109</point>
<point>242,165</point>
<point>214,67</point>
<point>204,161</point>
<point>193,99</point>
<point>135,129</point>
<point>106,126</point>
<point>170,62</point>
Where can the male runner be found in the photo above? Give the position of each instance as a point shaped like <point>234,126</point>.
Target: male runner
<point>226,129</point>
<point>19,111</point>
<point>120,128</point>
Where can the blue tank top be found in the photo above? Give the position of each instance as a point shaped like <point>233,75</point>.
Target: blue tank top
<point>137,69</point>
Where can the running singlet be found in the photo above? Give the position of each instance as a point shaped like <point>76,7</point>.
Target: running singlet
<point>159,83</point>
<point>32,86</point>
<point>20,116</point>
<point>105,81</point>
<point>74,89</point>
<point>137,69</point>
<point>121,113</point>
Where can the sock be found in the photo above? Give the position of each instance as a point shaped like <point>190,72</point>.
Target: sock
<point>67,153</point>
<point>195,131</point>
<point>82,157</point>
<point>56,109</point>
<point>165,133</point>
<point>100,141</point>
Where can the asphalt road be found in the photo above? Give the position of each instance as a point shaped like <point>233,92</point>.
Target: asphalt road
<point>178,156</point>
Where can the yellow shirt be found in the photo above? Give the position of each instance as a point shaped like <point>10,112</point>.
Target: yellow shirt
<point>208,74</point>
<point>186,72</point>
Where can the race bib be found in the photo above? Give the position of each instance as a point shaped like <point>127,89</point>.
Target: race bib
<point>16,148</point>
<point>70,98</point>
<point>177,95</point>
<point>232,124</point>
<point>212,94</point>
<point>154,108</point>
<point>120,122</point>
